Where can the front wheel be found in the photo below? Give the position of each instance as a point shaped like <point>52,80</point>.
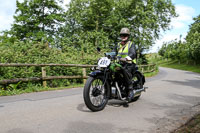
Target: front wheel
<point>96,93</point>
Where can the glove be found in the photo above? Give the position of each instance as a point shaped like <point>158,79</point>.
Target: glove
<point>123,59</point>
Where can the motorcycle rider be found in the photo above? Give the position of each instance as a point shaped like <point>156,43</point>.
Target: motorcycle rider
<point>127,52</point>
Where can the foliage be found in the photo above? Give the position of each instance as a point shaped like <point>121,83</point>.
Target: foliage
<point>14,86</point>
<point>107,17</point>
<point>34,88</point>
<point>29,88</point>
<point>193,39</point>
<point>40,53</point>
<point>43,32</point>
<point>90,23</point>
<point>184,51</point>
<point>37,19</point>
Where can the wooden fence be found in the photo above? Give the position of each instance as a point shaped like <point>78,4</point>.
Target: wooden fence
<point>44,78</point>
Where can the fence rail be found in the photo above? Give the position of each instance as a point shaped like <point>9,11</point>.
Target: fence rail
<point>44,78</point>
<point>43,65</point>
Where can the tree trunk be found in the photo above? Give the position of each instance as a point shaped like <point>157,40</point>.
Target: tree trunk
<point>97,28</point>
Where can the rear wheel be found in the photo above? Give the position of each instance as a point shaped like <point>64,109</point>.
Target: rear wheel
<point>138,84</point>
<point>95,93</point>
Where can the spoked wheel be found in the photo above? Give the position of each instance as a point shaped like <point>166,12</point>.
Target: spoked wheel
<point>138,84</point>
<point>95,93</point>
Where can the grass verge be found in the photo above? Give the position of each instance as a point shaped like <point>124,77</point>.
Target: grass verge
<point>151,74</point>
<point>192,126</point>
<point>31,89</point>
<point>182,66</point>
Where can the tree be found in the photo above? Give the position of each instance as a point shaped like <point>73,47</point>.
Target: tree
<point>145,18</point>
<point>185,51</point>
<point>37,19</point>
<point>193,39</point>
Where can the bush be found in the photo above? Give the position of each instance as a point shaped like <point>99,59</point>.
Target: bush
<point>42,53</point>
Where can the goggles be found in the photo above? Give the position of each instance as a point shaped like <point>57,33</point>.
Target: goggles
<point>124,35</point>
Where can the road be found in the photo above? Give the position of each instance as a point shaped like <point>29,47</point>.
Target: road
<point>173,97</point>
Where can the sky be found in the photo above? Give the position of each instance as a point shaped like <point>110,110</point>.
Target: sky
<point>186,9</point>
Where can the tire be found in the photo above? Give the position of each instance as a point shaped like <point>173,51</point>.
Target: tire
<point>92,92</point>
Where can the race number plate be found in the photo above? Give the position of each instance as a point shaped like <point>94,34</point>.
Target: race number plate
<point>104,62</point>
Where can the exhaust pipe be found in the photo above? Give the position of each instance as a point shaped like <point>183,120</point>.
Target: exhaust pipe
<point>119,92</point>
<point>136,92</point>
<point>139,91</point>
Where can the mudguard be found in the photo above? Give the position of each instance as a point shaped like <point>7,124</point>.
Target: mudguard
<point>95,73</point>
<point>143,78</point>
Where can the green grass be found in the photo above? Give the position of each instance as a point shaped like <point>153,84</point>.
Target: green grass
<point>67,87</point>
<point>181,66</point>
<point>192,126</point>
<point>30,89</point>
<point>151,74</point>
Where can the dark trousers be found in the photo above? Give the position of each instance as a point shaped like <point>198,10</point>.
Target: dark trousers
<point>127,71</point>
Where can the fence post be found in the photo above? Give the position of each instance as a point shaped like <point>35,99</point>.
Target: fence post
<point>44,83</point>
<point>142,69</point>
<point>84,74</point>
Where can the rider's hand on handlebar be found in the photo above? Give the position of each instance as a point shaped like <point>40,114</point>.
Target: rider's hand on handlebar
<point>123,59</point>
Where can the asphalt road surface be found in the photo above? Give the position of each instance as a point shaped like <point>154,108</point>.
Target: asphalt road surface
<point>173,97</point>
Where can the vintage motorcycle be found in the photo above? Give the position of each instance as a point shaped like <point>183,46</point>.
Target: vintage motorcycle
<point>107,82</point>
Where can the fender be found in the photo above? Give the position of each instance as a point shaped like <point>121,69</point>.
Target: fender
<point>95,73</point>
<point>143,78</point>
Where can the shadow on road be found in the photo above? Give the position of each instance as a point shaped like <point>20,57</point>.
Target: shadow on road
<point>191,83</point>
<point>193,73</point>
<point>186,99</point>
<point>82,107</point>
<point>117,103</point>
